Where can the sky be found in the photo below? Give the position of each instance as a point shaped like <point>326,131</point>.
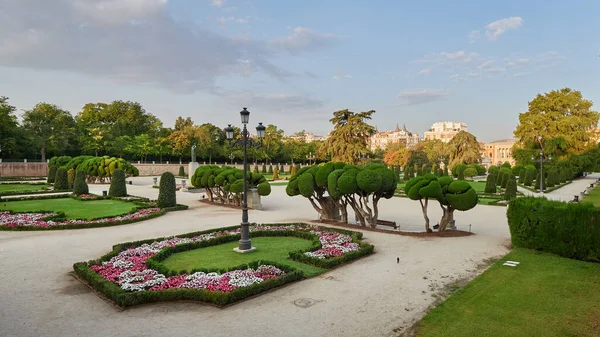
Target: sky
<point>293,63</point>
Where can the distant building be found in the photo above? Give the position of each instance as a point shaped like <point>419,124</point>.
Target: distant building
<point>380,140</point>
<point>498,152</point>
<point>307,137</point>
<point>444,131</point>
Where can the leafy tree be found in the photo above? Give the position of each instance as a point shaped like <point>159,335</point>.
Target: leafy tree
<point>9,130</point>
<point>463,148</point>
<point>395,155</point>
<point>49,127</point>
<point>422,189</point>
<point>208,138</point>
<point>117,184</point>
<point>167,196</point>
<point>181,123</point>
<point>350,136</point>
<point>272,144</point>
<point>490,184</point>
<point>416,156</point>
<point>80,186</point>
<point>435,150</point>
<point>181,171</point>
<point>562,118</point>
<point>142,146</point>
<point>180,143</point>
<point>312,183</point>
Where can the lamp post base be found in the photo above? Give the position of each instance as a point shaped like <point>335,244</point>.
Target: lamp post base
<point>244,251</point>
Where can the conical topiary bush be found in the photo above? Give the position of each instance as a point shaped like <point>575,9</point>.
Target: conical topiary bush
<point>167,196</point>
<point>117,184</point>
<point>80,186</point>
<point>61,180</point>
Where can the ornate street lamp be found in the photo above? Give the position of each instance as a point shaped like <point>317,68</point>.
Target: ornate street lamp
<point>541,160</point>
<point>245,244</point>
<point>310,157</point>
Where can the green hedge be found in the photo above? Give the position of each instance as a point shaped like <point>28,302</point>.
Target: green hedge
<point>61,181</point>
<point>167,194</point>
<point>568,229</point>
<point>117,184</point>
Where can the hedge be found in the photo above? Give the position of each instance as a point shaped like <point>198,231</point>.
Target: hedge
<point>126,299</point>
<point>117,184</point>
<point>61,181</point>
<point>567,229</point>
<point>167,194</point>
<point>51,174</point>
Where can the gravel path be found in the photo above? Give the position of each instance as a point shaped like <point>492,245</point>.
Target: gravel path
<point>374,296</point>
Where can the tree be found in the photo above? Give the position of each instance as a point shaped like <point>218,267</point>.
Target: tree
<point>272,144</point>
<point>61,181</point>
<point>522,175</point>
<point>208,138</point>
<point>350,136</point>
<point>463,148</point>
<point>511,189</point>
<point>181,123</point>
<point>490,184</point>
<point>423,188</point>
<point>9,129</point>
<point>49,127</point>
<point>562,118</point>
<point>435,149</point>
<point>142,146</point>
<point>80,186</point>
<point>469,172</point>
<point>311,182</point>
<point>167,196</point>
<point>395,155</point>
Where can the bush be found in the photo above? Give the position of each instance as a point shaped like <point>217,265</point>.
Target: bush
<point>493,169</point>
<point>490,184</point>
<point>506,164</point>
<point>293,170</point>
<point>522,175</point>
<point>511,189</point>
<point>167,196</point>
<point>446,170</point>
<point>270,169</point>
<point>117,185</point>
<point>181,171</point>
<point>275,173</point>
<point>104,167</point>
<point>59,161</point>
<point>281,169</point>
<point>457,168</point>
<point>264,169</point>
<point>506,176</point>
<point>71,177</point>
<point>529,176</point>
<point>461,174</point>
<point>516,170</point>
<point>61,181</point>
<point>264,189</point>
<point>51,174</point>
<point>80,186</point>
<point>470,172</point>
<point>568,229</point>
<point>75,162</point>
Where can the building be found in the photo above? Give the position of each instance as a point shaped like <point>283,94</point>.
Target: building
<point>381,139</point>
<point>444,131</point>
<point>307,137</point>
<point>498,152</point>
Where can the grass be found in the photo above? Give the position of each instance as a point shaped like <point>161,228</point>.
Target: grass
<point>279,183</point>
<point>487,201</point>
<point>593,196</point>
<point>22,187</point>
<point>73,209</point>
<point>546,295</point>
<point>274,249</point>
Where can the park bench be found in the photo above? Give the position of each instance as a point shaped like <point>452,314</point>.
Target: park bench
<point>387,223</point>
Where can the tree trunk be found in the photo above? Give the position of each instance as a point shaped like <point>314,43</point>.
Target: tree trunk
<point>424,209</point>
<point>343,210</point>
<point>209,193</point>
<point>43,152</point>
<point>446,217</point>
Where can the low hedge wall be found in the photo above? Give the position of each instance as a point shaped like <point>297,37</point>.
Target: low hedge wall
<point>568,229</point>
<point>125,298</point>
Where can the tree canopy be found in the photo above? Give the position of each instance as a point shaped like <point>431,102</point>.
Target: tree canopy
<point>463,148</point>
<point>350,136</point>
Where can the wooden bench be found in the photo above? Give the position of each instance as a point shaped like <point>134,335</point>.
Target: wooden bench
<point>387,223</point>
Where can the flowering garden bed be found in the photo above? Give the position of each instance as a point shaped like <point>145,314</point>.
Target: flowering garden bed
<point>133,274</point>
<point>49,219</point>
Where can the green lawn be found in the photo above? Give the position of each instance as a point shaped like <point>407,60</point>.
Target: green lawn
<point>279,183</point>
<point>593,196</point>
<point>545,295</point>
<point>274,249</point>
<point>74,209</point>
<point>487,201</point>
<point>21,187</point>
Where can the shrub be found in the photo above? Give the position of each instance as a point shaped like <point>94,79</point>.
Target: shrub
<point>75,162</point>
<point>117,184</point>
<point>255,169</point>
<point>104,167</point>
<point>490,184</point>
<point>419,171</point>
<point>293,170</point>
<point>445,170</point>
<point>61,181</point>
<point>522,175</point>
<point>51,174</point>
<point>181,171</point>
<point>506,164</point>
<point>537,184</point>
<point>480,169</point>
<point>493,169</point>
<point>167,196</point>
<point>568,229</point>
<point>80,186</point>
<point>271,169</point>
<point>505,178</point>
<point>59,161</point>
<point>470,172</point>
<point>264,189</point>
<point>529,178</point>
<point>281,169</point>
<point>71,177</point>
<point>516,170</point>
<point>461,174</point>
<point>511,189</point>
<point>264,169</point>
<point>275,173</point>
<point>457,168</point>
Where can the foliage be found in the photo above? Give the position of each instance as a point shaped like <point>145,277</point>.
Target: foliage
<point>350,136</point>
<point>70,177</point>
<point>522,175</point>
<point>516,170</point>
<point>511,189</point>
<point>74,162</point>
<point>102,168</point>
<point>49,128</point>
<point>51,174</point>
<point>264,169</point>
<point>505,165</point>
<point>264,188</point>
<point>490,184</point>
<point>79,185</point>
<point>270,171</point>
<point>275,173</point>
<point>10,132</point>
<point>293,170</point>
<point>470,172</point>
<point>61,181</point>
<point>117,184</point>
<point>60,161</point>
<point>167,191</point>
<point>568,229</point>
<point>395,155</point>
<point>225,184</point>
<point>181,171</point>
<point>463,148</point>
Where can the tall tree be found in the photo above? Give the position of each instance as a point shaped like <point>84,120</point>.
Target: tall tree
<point>435,149</point>
<point>181,123</point>
<point>8,128</point>
<point>272,143</point>
<point>562,119</point>
<point>49,127</point>
<point>208,138</point>
<point>463,148</point>
<point>350,136</point>
<point>395,155</point>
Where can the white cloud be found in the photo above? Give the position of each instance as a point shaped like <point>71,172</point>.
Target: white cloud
<point>495,70</point>
<point>454,55</point>
<point>131,41</point>
<point>303,39</point>
<point>474,36</point>
<point>485,64</point>
<point>425,71</point>
<point>223,20</point>
<point>217,3</point>
<point>422,96</point>
<point>499,27</point>
<point>473,74</point>
<point>340,75</point>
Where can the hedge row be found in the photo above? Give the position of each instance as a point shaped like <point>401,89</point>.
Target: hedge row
<point>568,229</point>
<point>125,299</point>
<point>9,193</point>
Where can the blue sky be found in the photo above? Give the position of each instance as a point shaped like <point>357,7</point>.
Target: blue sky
<point>294,63</point>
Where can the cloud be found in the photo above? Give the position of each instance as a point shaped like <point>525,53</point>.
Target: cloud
<point>474,36</point>
<point>217,3</point>
<point>454,55</point>
<point>223,20</point>
<point>473,74</point>
<point>499,27</point>
<point>272,101</point>
<point>340,75</point>
<point>425,71</point>
<point>485,64</point>
<point>303,40</point>
<point>132,41</point>
<point>495,70</point>
<point>422,96</point>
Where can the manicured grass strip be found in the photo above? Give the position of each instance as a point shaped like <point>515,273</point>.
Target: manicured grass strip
<point>73,209</point>
<point>487,201</point>
<point>22,187</point>
<point>274,249</point>
<point>546,295</point>
<point>593,197</point>
<point>279,183</point>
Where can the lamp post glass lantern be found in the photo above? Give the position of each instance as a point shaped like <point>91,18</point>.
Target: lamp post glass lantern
<point>541,160</point>
<point>245,244</point>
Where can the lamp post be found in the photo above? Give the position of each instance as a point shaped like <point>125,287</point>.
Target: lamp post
<point>245,244</point>
<point>541,160</point>
<point>362,157</point>
<point>231,156</point>
<point>310,158</point>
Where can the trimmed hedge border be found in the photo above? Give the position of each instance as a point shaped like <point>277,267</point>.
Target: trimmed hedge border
<point>125,299</point>
<point>10,193</point>
<point>546,190</point>
<point>60,216</point>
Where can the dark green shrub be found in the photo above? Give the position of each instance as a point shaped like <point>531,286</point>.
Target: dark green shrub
<point>522,175</point>
<point>264,169</point>
<point>61,181</point>
<point>71,177</point>
<point>568,229</point>
<point>537,183</point>
<point>117,184</point>
<point>181,171</point>
<point>490,184</point>
<point>167,196</point>
<point>255,169</point>
<point>506,176</point>
<point>457,168</point>
<point>59,161</point>
<point>511,189</point>
<point>445,170</point>
<point>529,176</point>
<point>493,169</point>
<point>419,171</point>
<point>506,164</point>
<point>79,185</point>
<point>281,169</point>
<point>51,174</point>
<point>271,169</point>
<point>516,170</point>
<point>264,189</point>
<point>461,174</point>
<point>470,172</point>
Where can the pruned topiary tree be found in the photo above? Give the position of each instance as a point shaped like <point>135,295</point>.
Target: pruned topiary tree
<point>522,175</point>
<point>79,185</point>
<point>117,184</point>
<point>456,195</point>
<point>422,189</point>
<point>470,172</point>
<point>61,180</point>
<point>167,193</point>
<point>270,169</point>
<point>225,184</point>
<point>511,189</point>
<point>71,177</point>
<point>275,173</point>
<point>181,171</point>
<point>490,184</point>
<point>51,174</point>
<point>311,182</point>
<point>264,169</point>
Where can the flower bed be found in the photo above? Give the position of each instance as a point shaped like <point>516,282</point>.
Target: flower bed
<point>10,220</point>
<point>132,273</point>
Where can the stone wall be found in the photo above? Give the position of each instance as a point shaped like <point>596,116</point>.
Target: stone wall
<point>158,169</point>
<point>23,169</point>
